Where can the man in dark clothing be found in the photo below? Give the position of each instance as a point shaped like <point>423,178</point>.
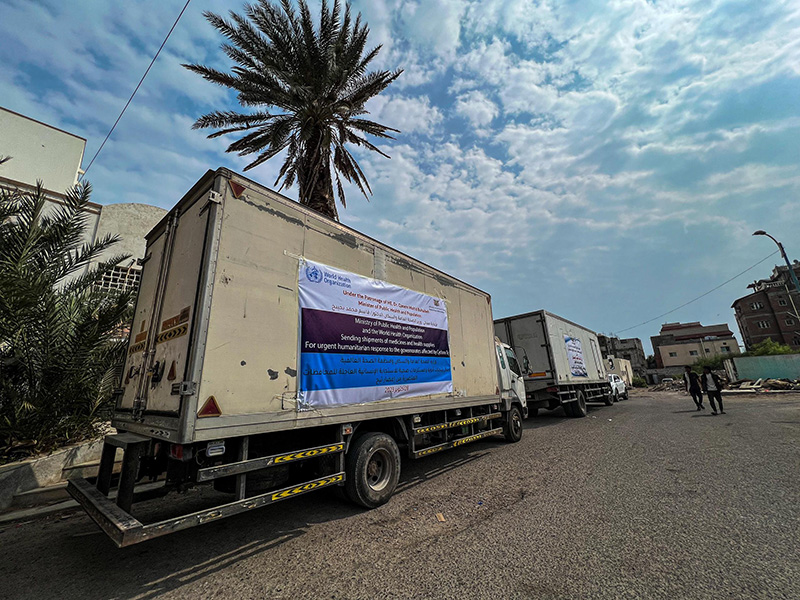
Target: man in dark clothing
<point>692,384</point>
<point>712,386</point>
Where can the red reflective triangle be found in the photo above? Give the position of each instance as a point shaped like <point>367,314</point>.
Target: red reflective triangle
<point>236,188</point>
<point>210,408</point>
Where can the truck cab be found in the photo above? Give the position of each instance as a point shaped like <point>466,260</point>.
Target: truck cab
<point>511,374</point>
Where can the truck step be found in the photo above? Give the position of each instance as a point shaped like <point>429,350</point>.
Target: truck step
<point>460,423</point>
<point>455,443</point>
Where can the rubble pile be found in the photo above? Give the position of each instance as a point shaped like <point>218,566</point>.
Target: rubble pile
<point>765,384</point>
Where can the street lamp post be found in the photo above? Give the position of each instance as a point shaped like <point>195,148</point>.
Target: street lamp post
<point>785,258</point>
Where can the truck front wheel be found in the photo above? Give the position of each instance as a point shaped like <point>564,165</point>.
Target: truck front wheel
<point>611,397</point>
<point>372,469</point>
<point>512,428</point>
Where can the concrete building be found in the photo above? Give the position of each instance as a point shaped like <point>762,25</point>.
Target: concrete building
<point>630,349</point>
<point>41,152</point>
<point>771,310</point>
<point>681,344</point>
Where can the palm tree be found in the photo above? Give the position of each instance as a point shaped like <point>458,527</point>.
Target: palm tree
<point>58,352</point>
<point>310,86</point>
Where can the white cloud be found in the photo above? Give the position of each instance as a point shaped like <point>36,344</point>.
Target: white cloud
<point>477,108</point>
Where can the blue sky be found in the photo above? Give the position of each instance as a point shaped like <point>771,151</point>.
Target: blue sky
<point>606,161</point>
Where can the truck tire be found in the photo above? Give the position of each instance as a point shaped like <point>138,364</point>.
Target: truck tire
<point>579,407</point>
<point>512,428</point>
<point>372,469</point>
<point>611,397</point>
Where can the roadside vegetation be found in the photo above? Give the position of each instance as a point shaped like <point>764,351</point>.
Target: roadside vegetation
<point>61,337</point>
<point>765,348</point>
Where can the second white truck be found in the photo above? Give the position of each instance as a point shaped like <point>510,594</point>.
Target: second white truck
<point>562,363</point>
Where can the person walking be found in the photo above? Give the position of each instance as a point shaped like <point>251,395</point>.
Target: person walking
<point>712,386</point>
<point>692,384</point>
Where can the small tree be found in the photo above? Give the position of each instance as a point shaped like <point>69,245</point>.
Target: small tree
<point>768,348</point>
<point>58,353</point>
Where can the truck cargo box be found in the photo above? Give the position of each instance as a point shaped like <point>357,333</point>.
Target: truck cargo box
<point>559,351</point>
<point>224,344</point>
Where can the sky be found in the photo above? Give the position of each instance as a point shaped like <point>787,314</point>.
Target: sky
<point>606,161</point>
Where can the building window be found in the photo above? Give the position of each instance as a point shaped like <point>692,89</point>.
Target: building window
<point>121,279</point>
<point>796,341</point>
<point>763,324</point>
<point>756,305</point>
<point>708,350</point>
<point>725,349</point>
<point>782,302</point>
<point>692,352</point>
<point>790,321</point>
<point>673,354</point>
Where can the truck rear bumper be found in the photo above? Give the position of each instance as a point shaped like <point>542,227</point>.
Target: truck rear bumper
<point>126,530</point>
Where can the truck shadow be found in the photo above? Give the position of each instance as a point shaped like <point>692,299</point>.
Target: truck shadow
<point>90,567</point>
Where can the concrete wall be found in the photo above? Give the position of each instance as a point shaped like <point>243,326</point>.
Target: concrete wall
<point>39,152</point>
<point>131,222</point>
<point>785,366</point>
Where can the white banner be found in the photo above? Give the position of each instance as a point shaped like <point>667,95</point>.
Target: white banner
<point>575,357</point>
<point>363,340</point>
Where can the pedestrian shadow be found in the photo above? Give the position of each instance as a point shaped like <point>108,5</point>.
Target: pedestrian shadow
<point>690,410</point>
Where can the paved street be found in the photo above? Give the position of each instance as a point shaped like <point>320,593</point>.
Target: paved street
<point>644,499</point>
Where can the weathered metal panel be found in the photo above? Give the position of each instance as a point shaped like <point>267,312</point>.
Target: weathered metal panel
<point>786,366</point>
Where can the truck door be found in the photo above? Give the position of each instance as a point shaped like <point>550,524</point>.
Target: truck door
<point>511,373</point>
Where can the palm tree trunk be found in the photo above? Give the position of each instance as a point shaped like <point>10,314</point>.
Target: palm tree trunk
<point>316,186</point>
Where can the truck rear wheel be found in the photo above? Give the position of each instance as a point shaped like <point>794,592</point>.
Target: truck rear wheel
<point>578,409</point>
<point>611,397</point>
<point>372,469</point>
<point>513,425</point>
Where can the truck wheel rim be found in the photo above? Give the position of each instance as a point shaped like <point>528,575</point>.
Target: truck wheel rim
<point>379,470</point>
<point>516,423</point>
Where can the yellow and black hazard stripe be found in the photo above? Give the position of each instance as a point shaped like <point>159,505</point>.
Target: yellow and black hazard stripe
<point>171,334</point>
<point>303,454</point>
<point>136,347</point>
<point>474,438</point>
<point>460,423</point>
<point>311,485</point>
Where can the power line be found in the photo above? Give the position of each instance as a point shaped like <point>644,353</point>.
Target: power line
<point>701,295</point>
<point>138,85</point>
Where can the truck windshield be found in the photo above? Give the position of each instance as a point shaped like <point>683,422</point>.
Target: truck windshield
<point>512,362</point>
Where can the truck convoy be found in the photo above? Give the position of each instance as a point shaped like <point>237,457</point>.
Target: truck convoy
<point>561,360</point>
<point>274,352</point>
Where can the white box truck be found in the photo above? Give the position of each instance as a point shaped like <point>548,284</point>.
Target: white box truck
<point>274,352</point>
<point>561,359</point>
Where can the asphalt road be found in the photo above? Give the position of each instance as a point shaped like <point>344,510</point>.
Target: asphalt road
<point>644,499</point>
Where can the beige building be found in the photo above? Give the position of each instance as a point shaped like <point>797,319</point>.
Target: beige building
<point>41,152</point>
<point>621,367</point>
<point>688,352</point>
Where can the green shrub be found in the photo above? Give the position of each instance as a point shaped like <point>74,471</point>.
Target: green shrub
<point>638,382</point>
<point>59,355</point>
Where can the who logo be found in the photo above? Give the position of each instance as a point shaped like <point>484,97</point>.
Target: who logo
<point>313,274</point>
